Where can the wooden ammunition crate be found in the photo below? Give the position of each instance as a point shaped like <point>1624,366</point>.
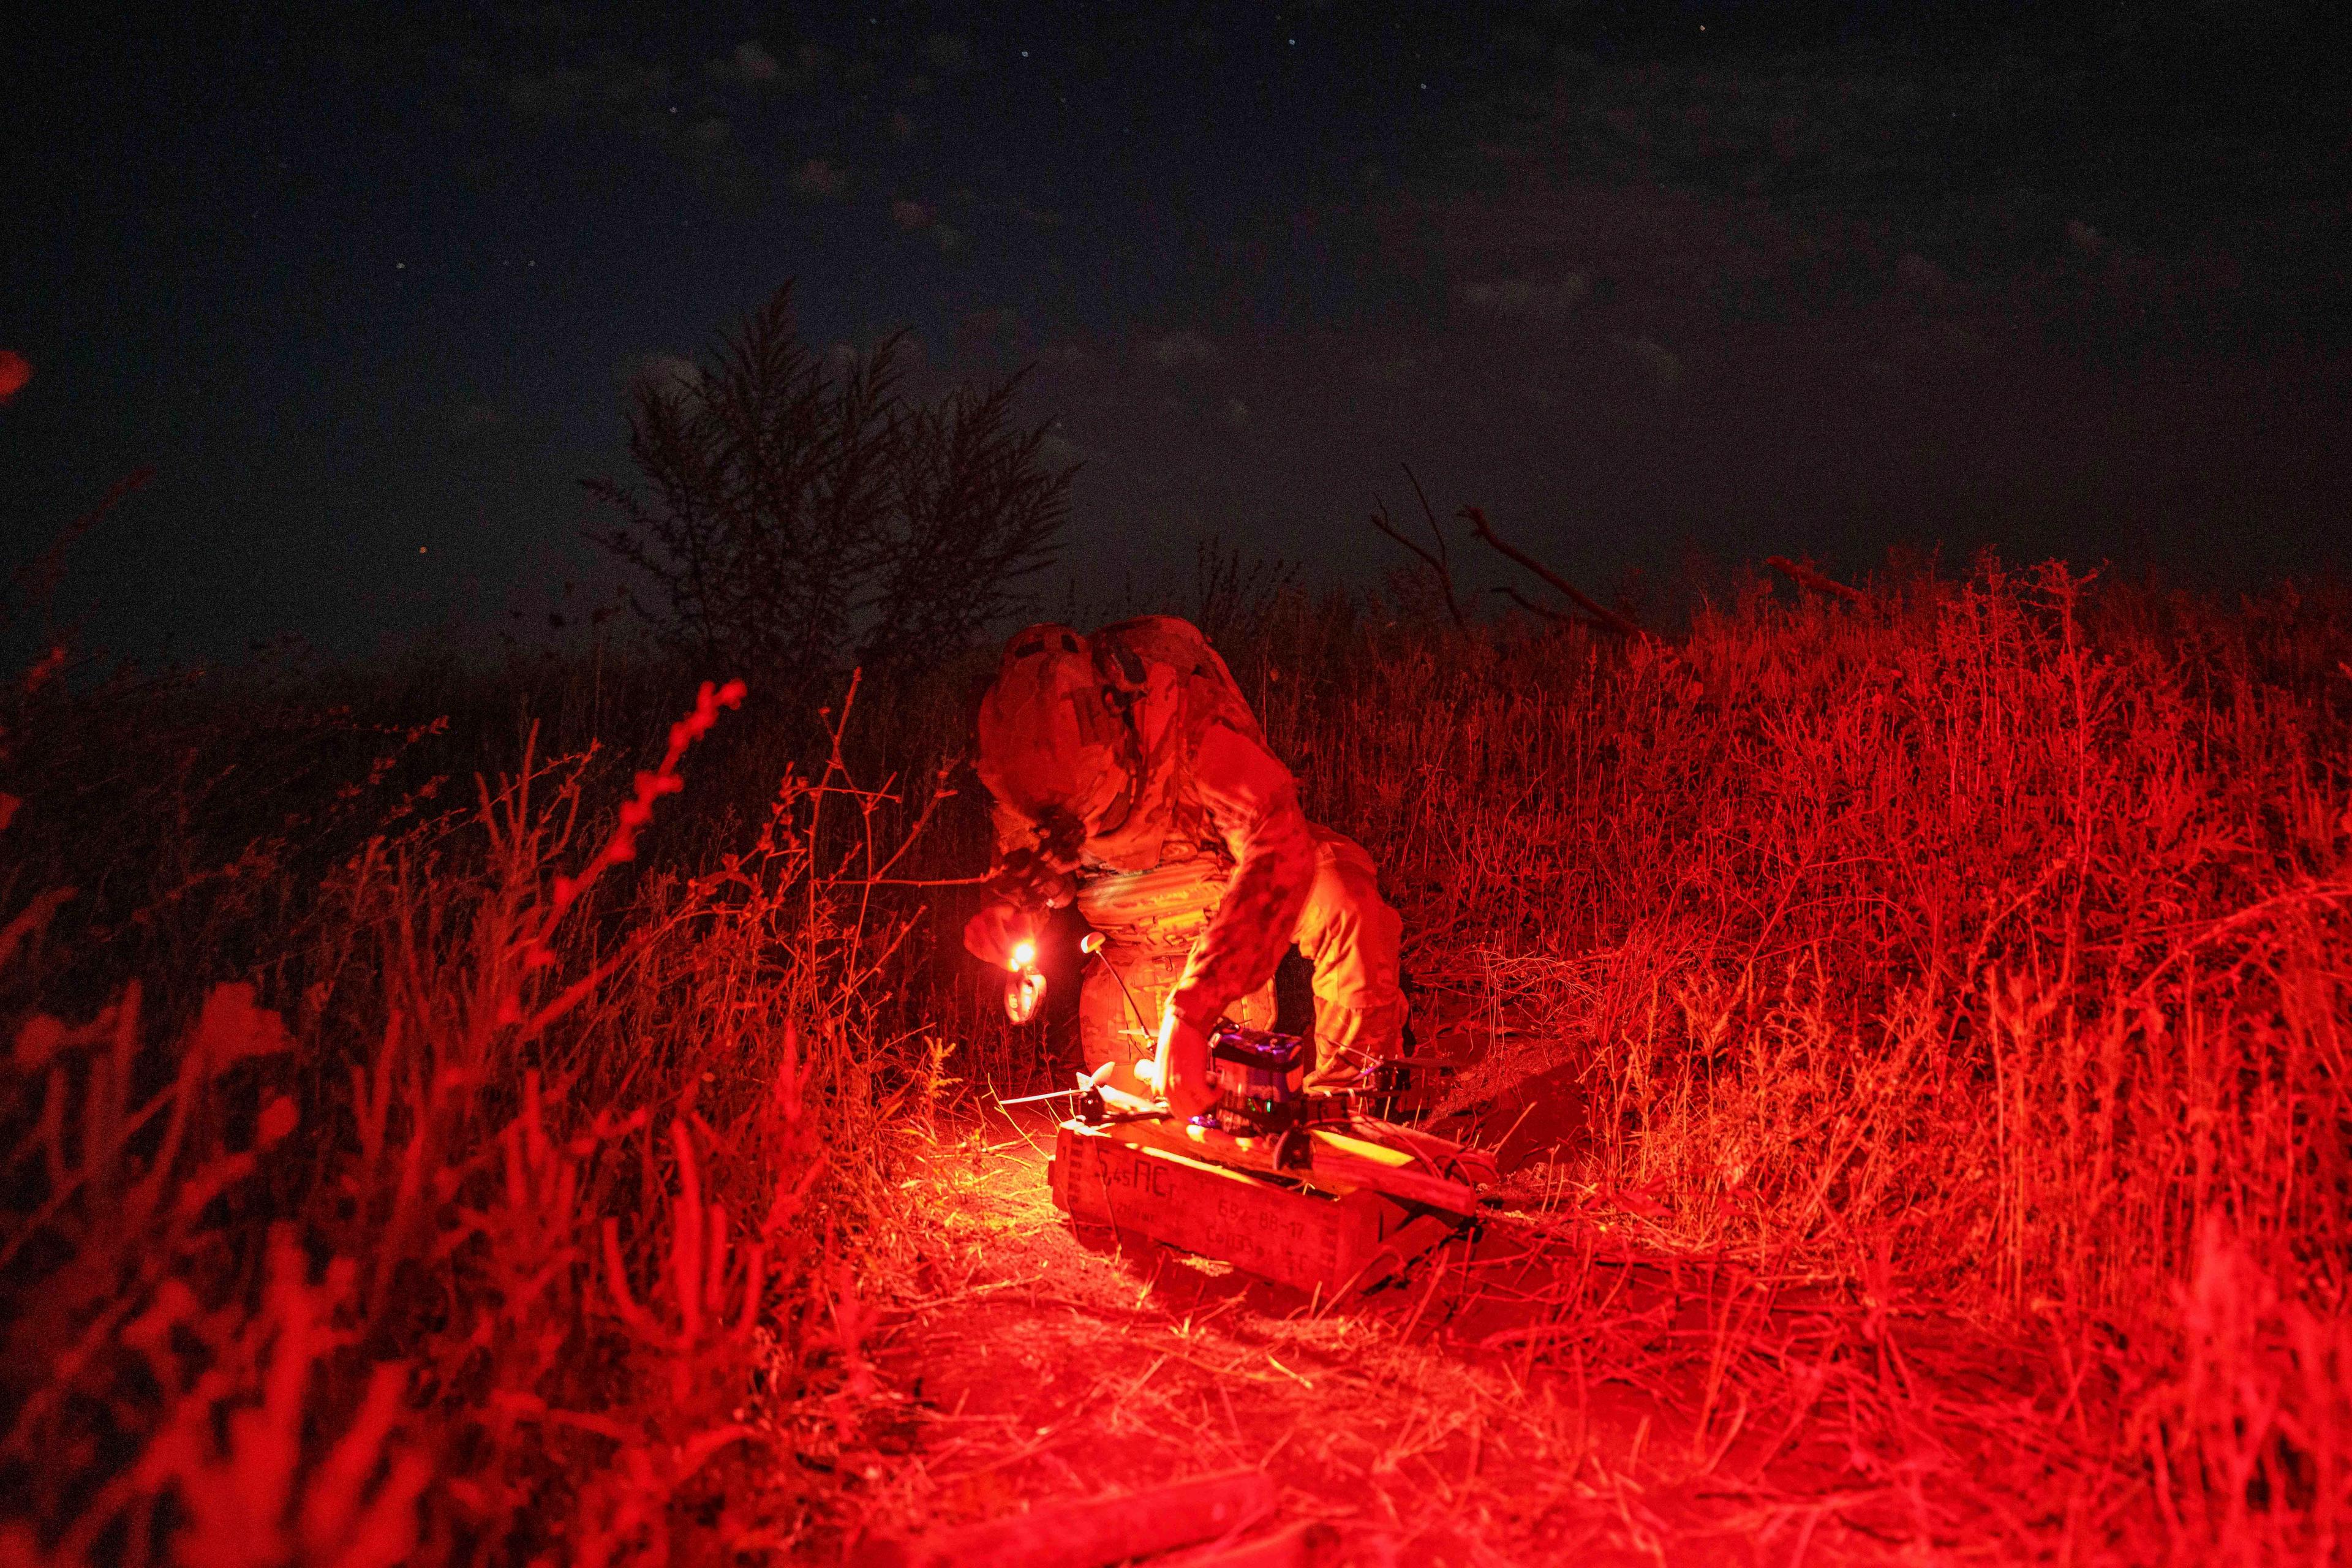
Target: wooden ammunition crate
<point>1267,1227</point>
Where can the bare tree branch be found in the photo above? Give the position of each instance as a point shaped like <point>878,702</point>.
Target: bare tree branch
<point>37,579</point>
<point>1444,558</point>
<point>1806,577</point>
<point>1379,519</point>
<point>1601,615</point>
<point>1546,611</point>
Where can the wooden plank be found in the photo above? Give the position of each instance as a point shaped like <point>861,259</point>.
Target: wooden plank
<point>1388,1142</point>
<point>1275,1230</point>
<point>1346,1161</point>
<point>1289,1547</point>
<point>1444,1157</point>
<point>1397,1250</point>
<point>1341,1162</point>
<point>1087,1534</point>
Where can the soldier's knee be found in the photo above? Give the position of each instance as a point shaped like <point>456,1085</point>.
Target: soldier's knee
<point>1344,905</point>
<point>1351,935</point>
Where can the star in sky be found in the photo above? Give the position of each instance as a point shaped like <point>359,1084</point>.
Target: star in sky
<point>1794,286</point>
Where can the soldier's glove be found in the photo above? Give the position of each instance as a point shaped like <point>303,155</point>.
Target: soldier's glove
<point>992,936</point>
<point>1180,1072</point>
<point>1027,880</point>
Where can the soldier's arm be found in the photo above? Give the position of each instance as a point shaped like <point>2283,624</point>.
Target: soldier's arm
<point>1022,886</point>
<point>1253,803</point>
<point>1015,832</point>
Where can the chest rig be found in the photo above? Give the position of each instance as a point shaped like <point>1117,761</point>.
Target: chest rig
<point>1153,870</point>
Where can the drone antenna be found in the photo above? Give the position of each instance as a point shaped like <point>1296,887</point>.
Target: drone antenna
<point>1091,946</point>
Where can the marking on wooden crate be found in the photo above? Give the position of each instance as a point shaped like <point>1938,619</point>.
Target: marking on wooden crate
<point>1261,1226</point>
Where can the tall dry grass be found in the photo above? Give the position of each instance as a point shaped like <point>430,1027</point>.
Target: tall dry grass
<point>1985,946</point>
<point>517,1212</point>
<point>383,1187</point>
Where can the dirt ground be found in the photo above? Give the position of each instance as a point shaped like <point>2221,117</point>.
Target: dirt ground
<point>1540,1390</point>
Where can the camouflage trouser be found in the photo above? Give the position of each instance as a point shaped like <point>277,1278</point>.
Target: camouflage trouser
<point>1150,922</point>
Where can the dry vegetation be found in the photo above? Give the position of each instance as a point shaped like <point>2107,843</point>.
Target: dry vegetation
<point>1983,946</point>
<point>1924,1020</point>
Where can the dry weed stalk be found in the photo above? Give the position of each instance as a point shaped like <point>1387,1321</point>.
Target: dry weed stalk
<point>498,1278</point>
<point>1977,946</point>
<point>1977,955</point>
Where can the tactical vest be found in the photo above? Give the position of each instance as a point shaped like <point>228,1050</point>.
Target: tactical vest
<point>1154,881</point>
<point>1169,686</point>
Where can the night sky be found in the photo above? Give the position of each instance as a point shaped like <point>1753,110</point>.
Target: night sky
<point>367,286</point>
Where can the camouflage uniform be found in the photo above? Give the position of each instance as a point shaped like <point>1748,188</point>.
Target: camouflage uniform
<point>1128,771</point>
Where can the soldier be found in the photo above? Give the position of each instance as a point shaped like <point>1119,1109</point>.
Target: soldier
<point>1128,775</point>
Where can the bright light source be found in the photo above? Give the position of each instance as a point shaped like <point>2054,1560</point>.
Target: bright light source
<point>1091,943</point>
<point>1023,955</point>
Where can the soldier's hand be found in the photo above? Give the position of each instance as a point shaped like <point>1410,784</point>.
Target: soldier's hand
<point>1028,881</point>
<point>1182,1066</point>
<point>993,934</point>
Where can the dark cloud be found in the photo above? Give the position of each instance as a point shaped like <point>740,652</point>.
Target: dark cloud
<point>1180,350</point>
<point>1531,298</point>
<point>820,178</point>
<point>1917,273</point>
<point>948,53</point>
<point>750,65</point>
<point>1620,286</point>
<point>1659,363</point>
<point>477,417</point>
<point>635,94</point>
<point>657,369</point>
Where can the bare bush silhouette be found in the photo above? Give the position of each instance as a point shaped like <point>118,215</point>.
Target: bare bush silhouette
<point>1232,598</point>
<point>799,515</point>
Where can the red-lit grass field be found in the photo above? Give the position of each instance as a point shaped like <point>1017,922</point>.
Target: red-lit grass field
<point>1914,1029</point>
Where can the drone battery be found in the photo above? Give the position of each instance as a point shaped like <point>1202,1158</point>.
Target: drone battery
<point>1257,1066</point>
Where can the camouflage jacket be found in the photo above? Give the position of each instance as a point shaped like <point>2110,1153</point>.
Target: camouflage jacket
<point>1205,785</point>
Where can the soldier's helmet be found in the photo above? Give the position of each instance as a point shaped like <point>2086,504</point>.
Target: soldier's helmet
<point>1052,742</point>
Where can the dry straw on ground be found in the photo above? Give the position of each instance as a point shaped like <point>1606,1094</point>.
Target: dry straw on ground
<point>1922,1022</point>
